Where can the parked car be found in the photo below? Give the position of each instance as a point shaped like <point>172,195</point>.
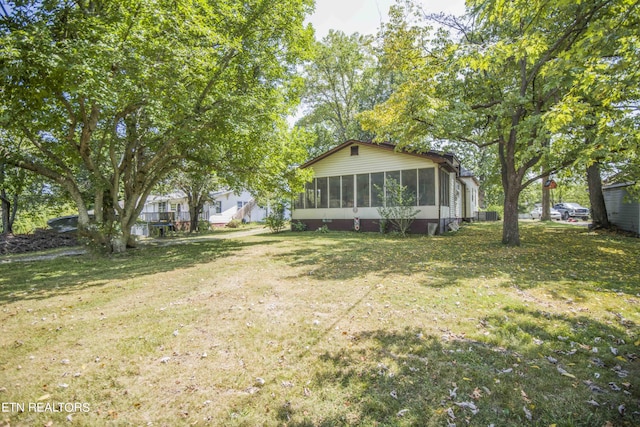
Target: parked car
<point>64,224</point>
<point>536,213</point>
<point>572,210</point>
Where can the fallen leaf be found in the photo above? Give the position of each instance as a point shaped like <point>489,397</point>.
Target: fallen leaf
<point>565,373</point>
<point>451,414</point>
<point>402,413</point>
<point>476,394</point>
<point>453,393</point>
<point>527,413</point>
<point>469,405</point>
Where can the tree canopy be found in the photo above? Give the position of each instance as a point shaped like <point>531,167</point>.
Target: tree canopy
<point>111,95</point>
<point>343,79</point>
<point>507,80</point>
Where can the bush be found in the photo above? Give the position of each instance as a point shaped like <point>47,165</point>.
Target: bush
<point>398,207</point>
<point>323,229</point>
<point>298,226</point>
<point>275,221</point>
<point>234,223</point>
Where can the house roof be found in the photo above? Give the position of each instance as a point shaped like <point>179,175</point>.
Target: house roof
<point>448,160</point>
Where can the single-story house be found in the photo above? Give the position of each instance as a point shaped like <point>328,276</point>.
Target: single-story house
<point>623,210</point>
<point>345,191</point>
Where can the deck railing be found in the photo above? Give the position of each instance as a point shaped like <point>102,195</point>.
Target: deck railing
<point>171,216</point>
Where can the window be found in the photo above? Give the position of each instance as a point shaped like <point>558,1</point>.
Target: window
<point>444,189</point>
<point>298,202</point>
<point>362,187</point>
<point>310,191</point>
<point>218,204</point>
<point>162,206</point>
<point>410,181</point>
<point>322,201</point>
<point>241,204</point>
<point>426,187</point>
<point>377,189</point>
<point>334,192</point>
<point>354,150</point>
<point>347,191</point>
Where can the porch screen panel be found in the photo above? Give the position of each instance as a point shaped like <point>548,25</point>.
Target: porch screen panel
<point>347,191</point>
<point>426,187</point>
<point>377,189</point>
<point>445,199</point>
<point>334,192</point>
<point>363,190</point>
<point>410,181</point>
<point>298,203</point>
<point>310,192</point>
<point>322,198</point>
<point>391,176</point>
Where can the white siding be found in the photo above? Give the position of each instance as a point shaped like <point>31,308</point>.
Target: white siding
<point>426,212</point>
<point>368,160</point>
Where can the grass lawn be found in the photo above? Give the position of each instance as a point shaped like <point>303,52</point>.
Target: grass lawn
<point>312,329</point>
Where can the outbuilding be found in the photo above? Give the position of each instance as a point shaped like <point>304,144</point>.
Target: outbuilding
<point>623,210</point>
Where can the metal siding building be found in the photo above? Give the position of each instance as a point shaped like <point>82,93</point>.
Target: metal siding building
<point>622,210</point>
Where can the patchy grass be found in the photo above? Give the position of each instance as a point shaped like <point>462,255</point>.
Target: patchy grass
<point>310,329</point>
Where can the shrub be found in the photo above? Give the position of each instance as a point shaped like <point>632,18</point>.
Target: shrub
<point>275,220</point>
<point>323,229</point>
<point>234,223</point>
<point>398,207</point>
<point>298,226</point>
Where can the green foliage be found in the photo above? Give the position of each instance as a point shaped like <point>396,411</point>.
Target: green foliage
<point>234,223</point>
<point>111,96</point>
<point>342,80</point>
<point>398,207</point>
<point>298,226</point>
<point>276,220</point>
<point>323,229</point>
<point>512,83</point>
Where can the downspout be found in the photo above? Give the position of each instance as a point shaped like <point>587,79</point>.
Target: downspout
<point>439,204</point>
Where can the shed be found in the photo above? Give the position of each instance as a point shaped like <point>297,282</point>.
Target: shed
<point>623,210</point>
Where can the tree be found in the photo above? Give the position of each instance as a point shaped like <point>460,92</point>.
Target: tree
<point>342,80</point>
<point>112,95</point>
<point>498,85</point>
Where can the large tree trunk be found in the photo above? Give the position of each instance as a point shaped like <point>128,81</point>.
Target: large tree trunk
<point>599,216</point>
<point>7,224</point>
<point>194,213</point>
<point>546,206</point>
<point>510,228</point>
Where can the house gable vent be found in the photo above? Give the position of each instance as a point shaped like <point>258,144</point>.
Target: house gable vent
<point>354,150</point>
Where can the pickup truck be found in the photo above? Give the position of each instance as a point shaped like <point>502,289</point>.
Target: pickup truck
<point>572,210</point>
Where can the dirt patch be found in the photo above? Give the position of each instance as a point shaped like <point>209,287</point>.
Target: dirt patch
<point>37,241</point>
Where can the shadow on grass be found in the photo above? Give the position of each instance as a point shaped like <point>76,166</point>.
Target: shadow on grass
<point>402,378</point>
<point>46,278</point>
<point>568,256</point>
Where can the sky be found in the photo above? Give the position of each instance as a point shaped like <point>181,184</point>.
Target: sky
<point>365,16</point>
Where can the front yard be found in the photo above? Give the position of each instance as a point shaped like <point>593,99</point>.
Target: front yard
<point>314,329</point>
